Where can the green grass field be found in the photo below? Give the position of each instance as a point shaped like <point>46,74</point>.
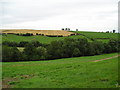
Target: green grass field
<point>99,34</point>
<point>78,72</point>
<point>44,39</point>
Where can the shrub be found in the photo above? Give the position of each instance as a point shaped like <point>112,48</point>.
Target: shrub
<point>10,54</point>
<point>11,44</point>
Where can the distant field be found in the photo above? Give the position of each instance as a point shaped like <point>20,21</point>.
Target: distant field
<point>45,32</point>
<point>99,34</point>
<point>79,72</point>
<point>42,39</point>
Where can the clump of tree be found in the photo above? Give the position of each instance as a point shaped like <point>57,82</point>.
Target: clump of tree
<point>112,46</point>
<point>76,29</point>
<point>66,29</point>
<point>11,54</point>
<point>10,43</point>
<point>22,43</point>
<point>32,53</point>
<point>113,31</point>
<point>25,34</point>
<point>59,49</point>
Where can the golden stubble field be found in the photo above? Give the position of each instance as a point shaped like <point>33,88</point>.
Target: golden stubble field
<point>34,32</point>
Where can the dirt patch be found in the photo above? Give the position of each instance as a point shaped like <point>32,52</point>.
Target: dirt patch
<point>8,82</point>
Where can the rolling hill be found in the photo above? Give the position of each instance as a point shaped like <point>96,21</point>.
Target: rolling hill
<point>40,32</point>
<point>99,36</point>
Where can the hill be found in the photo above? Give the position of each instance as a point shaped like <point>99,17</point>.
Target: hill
<point>40,32</point>
<point>79,72</point>
<point>42,39</point>
<point>99,36</point>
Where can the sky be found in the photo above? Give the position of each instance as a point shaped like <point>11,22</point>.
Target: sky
<point>84,15</point>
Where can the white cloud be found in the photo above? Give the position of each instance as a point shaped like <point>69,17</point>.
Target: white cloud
<point>93,15</point>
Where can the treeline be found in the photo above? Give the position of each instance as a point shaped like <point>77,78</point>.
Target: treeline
<point>22,43</point>
<point>59,49</point>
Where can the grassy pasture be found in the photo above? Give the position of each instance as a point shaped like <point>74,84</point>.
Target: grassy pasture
<point>42,39</point>
<point>78,72</point>
<point>99,34</point>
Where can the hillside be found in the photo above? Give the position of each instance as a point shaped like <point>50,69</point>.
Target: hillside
<point>42,39</point>
<point>79,72</point>
<point>99,36</point>
<point>39,32</point>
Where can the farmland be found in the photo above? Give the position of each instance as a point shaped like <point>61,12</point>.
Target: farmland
<point>78,72</point>
<point>99,36</point>
<point>77,61</point>
<point>42,39</point>
<point>41,32</point>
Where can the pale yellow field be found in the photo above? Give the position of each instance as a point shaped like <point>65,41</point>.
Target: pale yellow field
<point>45,32</point>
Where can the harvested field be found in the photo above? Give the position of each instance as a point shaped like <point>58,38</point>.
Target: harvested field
<point>44,32</point>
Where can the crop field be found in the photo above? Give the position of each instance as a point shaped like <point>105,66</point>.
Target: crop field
<point>100,71</point>
<point>42,39</point>
<point>99,36</point>
<point>45,32</point>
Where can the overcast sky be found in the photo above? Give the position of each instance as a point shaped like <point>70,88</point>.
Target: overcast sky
<point>85,15</point>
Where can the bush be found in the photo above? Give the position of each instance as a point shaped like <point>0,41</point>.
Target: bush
<point>42,53</point>
<point>29,52</point>
<point>98,47</point>
<point>36,43</point>
<point>76,52</point>
<point>11,54</point>
<point>57,49</point>
<point>11,44</point>
<point>23,44</point>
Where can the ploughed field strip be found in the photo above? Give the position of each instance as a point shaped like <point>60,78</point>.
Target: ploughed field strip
<point>40,32</point>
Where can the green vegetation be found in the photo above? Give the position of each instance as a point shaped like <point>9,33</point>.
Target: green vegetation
<point>21,49</point>
<point>56,49</point>
<point>99,34</point>
<point>78,72</point>
<point>42,39</point>
<point>63,71</point>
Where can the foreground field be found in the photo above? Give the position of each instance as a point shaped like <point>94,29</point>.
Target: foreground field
<point>99,71</point>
